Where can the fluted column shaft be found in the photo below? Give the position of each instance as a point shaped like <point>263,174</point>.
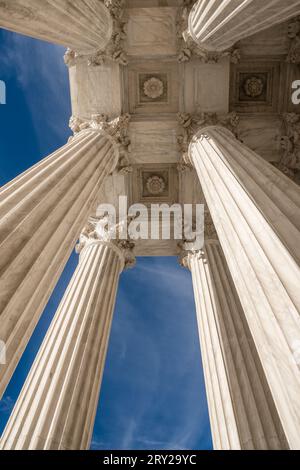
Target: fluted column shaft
<point>255,209</point>
<point>85,26</point>
<point>57,405</point>
<point>242,412</point>
<point>218,24</point>
<point>41,214</point>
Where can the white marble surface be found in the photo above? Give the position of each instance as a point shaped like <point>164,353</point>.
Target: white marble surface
<point>206,87</point>
<point>64,22</point>
<point>151,31</point>
<point>242,414</point>
<point>255,210</point>
<point>262,134</point>
<point>95,90</point>
<point>57,406</point>
<point>154,142</point>
<point>42,214</point>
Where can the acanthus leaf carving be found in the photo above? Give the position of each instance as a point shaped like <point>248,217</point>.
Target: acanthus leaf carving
<point>186,246</point>
<point>190,124</point>
<point>117,129</point>
<point>70,57</point>
<point>290,146</point>
<point>99,229</point>
<point>293,56</point>
<point>189,49</point>
<point>114,50</point>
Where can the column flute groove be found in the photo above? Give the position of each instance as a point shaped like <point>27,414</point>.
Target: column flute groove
<point>57,405</point>
<point>38,231</point>
<point>216,25</point>
<point>259,233</point>
<point>242,412</point>
<point>85,27</point>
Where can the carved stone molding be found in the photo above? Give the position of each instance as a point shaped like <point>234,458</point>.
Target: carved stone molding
<point>190,124</point>
<point>114,49</point>
<point>294,35</point>
<point>188,49</point>
<point>117,129</point>
<point>290,145</point>
<point>97,231</point>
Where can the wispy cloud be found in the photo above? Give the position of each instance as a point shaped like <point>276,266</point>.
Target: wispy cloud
<point>153,392</point>
<point>37,64</point>
<point>6,405</point>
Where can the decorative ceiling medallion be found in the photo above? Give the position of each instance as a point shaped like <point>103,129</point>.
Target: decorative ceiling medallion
<point>254,87</point>
<point>153,88</point>
<point>155,185</point>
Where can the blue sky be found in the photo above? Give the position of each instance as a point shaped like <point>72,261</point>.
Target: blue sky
<point>152,394</point>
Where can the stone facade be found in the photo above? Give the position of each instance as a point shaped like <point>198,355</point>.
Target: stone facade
<point>172,102</point>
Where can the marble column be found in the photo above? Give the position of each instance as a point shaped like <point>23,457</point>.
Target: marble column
<point>216,25</point>
<point>41,214</point>
<point>84,26</point>
<point>256,213</point>
<point>242,413</point>
<point>57,405</point>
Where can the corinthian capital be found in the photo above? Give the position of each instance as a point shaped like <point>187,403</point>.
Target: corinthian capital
<point>116,129</point>
<point>186,256</point>
<point>188,49</point>
<point>114,49</point>
<point>99,230</point>
<point>190,124</point>
<point>290,146</point>
<point>294,36</point>
<point>190,249</point>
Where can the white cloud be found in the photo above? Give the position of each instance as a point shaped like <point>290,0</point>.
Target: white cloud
<point>6,405</point>
<point>32,61</point>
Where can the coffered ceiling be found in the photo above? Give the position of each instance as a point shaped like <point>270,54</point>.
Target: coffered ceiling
<point>155,86</point>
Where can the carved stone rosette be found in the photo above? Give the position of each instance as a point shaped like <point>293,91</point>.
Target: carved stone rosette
<point>117,129</point>
<point>188,49</point>
<point>114,49</point>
